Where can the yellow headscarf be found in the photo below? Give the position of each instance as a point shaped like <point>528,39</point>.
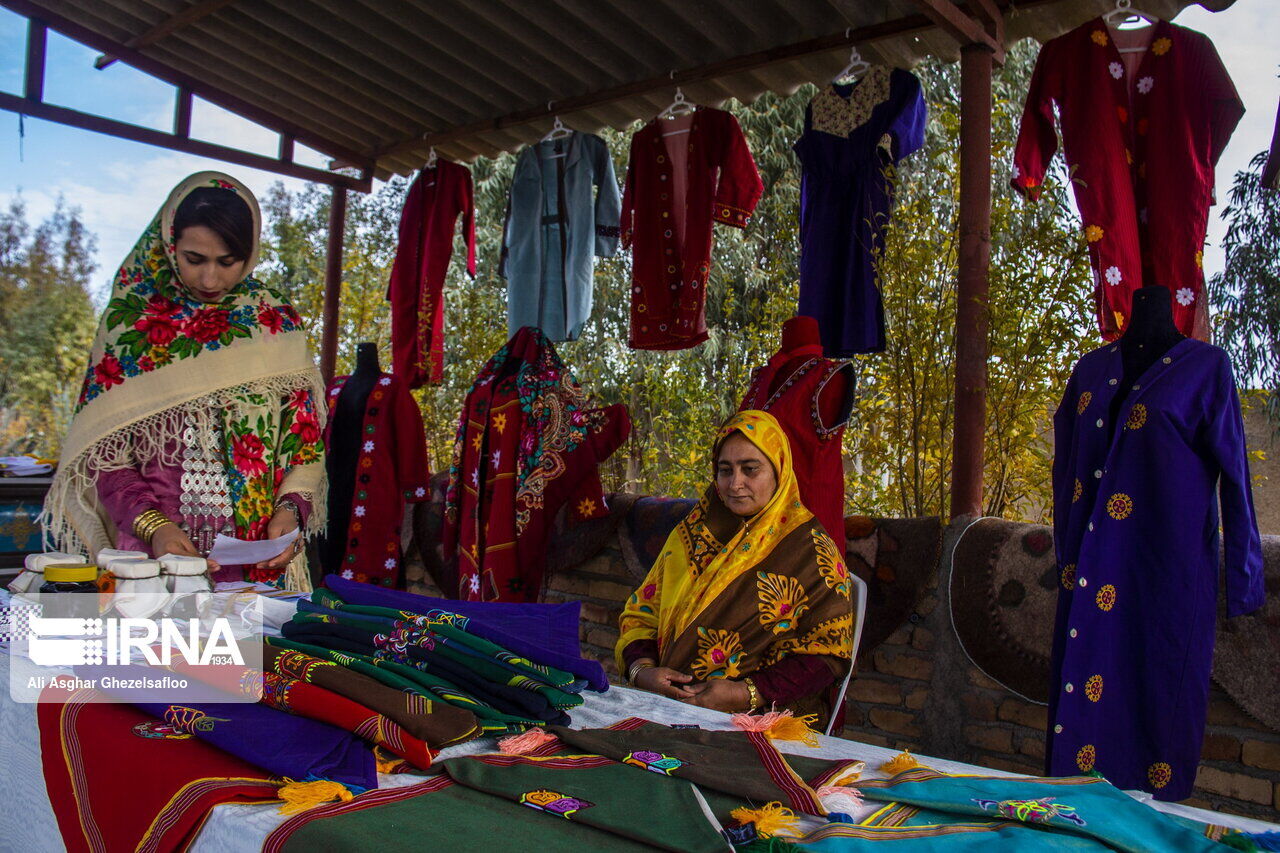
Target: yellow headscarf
<point>693,568</point>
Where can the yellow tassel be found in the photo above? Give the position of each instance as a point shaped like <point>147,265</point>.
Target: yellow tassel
<point>903,761</point>
<point>771,819</point>
<point>794,728</point>
<point>300,796</point>
<point>389,764</point>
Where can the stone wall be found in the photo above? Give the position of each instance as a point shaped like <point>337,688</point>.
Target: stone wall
<point>918,691</point>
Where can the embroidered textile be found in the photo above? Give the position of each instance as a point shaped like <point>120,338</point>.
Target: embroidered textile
<point>416,290</point>
<point>391,471</point>
<point>1138,562</point>
<point>670,264</point>
<point>1141,159</point>
<point>526,445</point>
<point>852,134</point>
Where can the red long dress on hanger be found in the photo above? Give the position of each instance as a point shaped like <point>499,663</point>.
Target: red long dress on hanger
<point>416,290</point>
<point>1142,154</point>
<point>683,175</point>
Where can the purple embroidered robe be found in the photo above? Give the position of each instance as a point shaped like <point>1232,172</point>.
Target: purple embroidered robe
<point>1136,529</point>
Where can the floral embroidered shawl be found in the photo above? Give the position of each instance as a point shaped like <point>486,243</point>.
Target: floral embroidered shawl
<point>727,596</point>
<point>238,371</point>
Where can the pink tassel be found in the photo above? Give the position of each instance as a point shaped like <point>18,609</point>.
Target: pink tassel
<point>523,744</point>
<point>758,722</point>
<point>836,798</point>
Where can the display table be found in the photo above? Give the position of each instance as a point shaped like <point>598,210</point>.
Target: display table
<point>27,821</point>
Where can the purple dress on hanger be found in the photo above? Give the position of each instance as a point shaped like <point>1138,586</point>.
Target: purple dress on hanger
<point>850,134</point>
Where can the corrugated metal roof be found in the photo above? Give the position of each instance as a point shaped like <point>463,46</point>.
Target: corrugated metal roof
<point>373,77</point>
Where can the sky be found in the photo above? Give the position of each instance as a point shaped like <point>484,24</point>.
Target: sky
<point>119,185</point>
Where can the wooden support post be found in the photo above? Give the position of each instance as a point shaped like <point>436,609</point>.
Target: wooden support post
<point>333,284</point>
<point>973,319</point>
<point>37,40</point>
<point>285,154</point>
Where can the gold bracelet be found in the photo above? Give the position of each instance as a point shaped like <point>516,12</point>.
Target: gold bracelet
<point>637,668</point>
<point>753,693</point>
<point>148,523</point>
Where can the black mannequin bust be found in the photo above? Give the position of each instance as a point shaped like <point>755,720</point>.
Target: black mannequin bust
<point>1150,335</point>
<point>344,450</point>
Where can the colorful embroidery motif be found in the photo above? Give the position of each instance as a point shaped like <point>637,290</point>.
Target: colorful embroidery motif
<point>719,654</point>
<point>188,720</point>
<point>1069,576</point>
<point>1137,417</point>
<point>1159,774</point>
<point>834,572</point>
<point>1085,757</point>
<point>1106,597</point>
<point>553,802</point>
<point>158,730</point>
<point>1042,810</point>
<point>1120,506</point>
<point>840,116</point>
<point>1077,491</point>
<point>1093,688</point>
<point>1083,402</point>
<point>655,762</point>
<point>782,601</point>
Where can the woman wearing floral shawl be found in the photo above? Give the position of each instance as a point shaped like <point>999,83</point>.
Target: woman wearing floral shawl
<point>198,413</point>
<point>748,605</point>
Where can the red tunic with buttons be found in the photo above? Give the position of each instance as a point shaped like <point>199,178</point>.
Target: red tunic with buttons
<point>1141,152</point>
<point>416,289</point>
<point>789,387</point>
<point>391,470</point>
<point>684,174</point>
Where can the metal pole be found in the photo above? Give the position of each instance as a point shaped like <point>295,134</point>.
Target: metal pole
<point>333,283</point>
<point>972,310</point>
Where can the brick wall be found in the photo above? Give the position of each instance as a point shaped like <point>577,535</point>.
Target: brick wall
<point>918,691</point>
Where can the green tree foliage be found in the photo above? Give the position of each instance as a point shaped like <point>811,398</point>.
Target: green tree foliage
<point>1246,294</point>
<point>899,442</point>
<point>47,321</point>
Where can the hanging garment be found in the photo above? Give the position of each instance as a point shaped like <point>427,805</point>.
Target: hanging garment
<point>684,174</point>
<point>391,471</point>
<point>851,133</point>
<point>789,387</point>
<point>526,446</point>
<point>416,289</point>
<point>1135,520</point>
<point>1141,146</point>
<point>732,597</point>
<point>553,230</point>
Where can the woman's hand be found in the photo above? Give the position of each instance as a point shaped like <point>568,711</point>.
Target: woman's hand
<point>170,539</point>
<point>721,694</point>
<point>283,521</point>
<point>665,682</point>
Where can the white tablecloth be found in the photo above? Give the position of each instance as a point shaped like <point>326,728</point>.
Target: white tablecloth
<point>27,822</point>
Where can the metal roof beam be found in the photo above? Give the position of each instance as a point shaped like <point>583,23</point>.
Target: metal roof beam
<point>187,16</point>
<point>176,142</point>
<point>33,9</point>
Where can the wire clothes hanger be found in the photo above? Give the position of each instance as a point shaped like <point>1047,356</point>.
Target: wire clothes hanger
<point>678,107</point>
<point>431,158</point>
<point>1123,13</point>
<point>856,68</point>
<point>558,131</point>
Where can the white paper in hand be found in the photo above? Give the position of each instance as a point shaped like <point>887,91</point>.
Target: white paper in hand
<point>229,551</point>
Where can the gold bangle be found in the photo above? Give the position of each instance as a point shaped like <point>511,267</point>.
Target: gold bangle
<point>148,523</point>
<point>753,693</point>
<point>637,668</point>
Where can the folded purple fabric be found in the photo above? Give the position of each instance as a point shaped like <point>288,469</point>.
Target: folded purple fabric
<point>543,633</point>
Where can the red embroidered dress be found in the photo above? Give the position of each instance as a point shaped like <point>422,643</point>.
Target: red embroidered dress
<point>789,387</point>
<point>416,290</point>
<point>1142,154</point>
<point>391,470</point>
<point>683,175</point>
<point>527,445</point>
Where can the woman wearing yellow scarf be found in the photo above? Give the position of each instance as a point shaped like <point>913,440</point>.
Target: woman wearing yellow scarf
<point>748,604</point>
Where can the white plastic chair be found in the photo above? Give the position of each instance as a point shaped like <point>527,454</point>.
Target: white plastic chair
<point>859,603</point>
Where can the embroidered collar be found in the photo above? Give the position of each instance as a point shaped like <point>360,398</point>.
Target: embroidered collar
<point>841,116</point>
